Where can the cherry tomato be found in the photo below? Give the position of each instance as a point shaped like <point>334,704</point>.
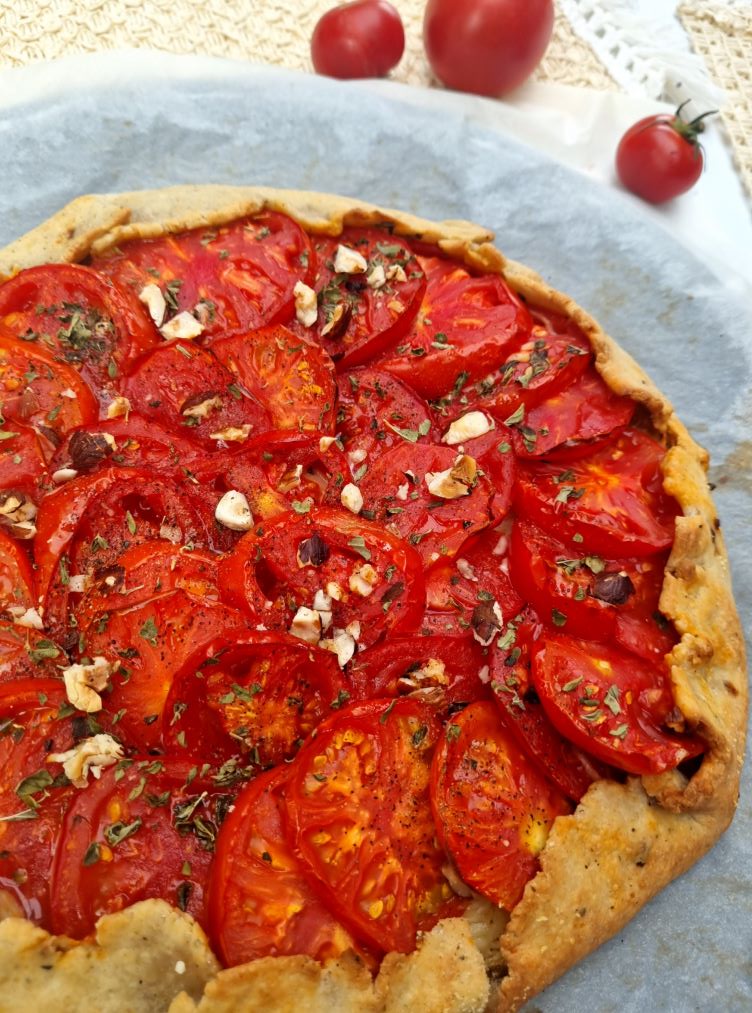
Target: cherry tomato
<point>360,39</point>
<point>261,697</point>
<point>188,390</point>
<point>79,317</point>
<point>233,278</point>
<point>371,576</point>
<point>610,503</point>
<point>465,329</point>
<point>291,378</point>
<point>147,828</point>
<point>660,156</point>
<point>611,704</point>
<point>486,46</point>
<point>492,807</point>
<point>359,812</point>
<point>261,903</point>
<point>368,306</point>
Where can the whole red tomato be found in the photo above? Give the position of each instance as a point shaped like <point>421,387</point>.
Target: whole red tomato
<point>486,46</point>
<point>660,156</point>
<point>360,39</point>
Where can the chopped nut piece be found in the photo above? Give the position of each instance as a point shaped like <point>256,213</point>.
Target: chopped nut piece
<point>152,298</point>
<point>171,533</point>
<point>356,457</point>
<point>233,434</point>
<point>83,683</point>
<point>306,304</point>
<point>200,406</point>
<point>28,618</point>
<point>349,261</point>
<point>325,442</point>
<point>78,583</point>
<point>403,490</point>
<point>342,644</point>
<point>396,272</point>
<point>119,407</point>
<point>432,672</point>
<point>306,625</point>
<point>312,551</point>
<point>89,449</point>
<point>90,755</point>
<point>363,579</point>
<point>351,498</point>
<point>183,326</point>
<point>334,590</point>
<point>377,277</point>
<point>233,511</point>
<point>17,513</point>
<point>339,321</point>
<point>455,481</point>
<point>63,475</point>
<point>466,570</point>
<point>486,621</point>
<point>322,603</point>
<point>468,427</point>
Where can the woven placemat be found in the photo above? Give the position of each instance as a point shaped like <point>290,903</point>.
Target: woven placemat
<point>722,35</point>
<point>265,31</point>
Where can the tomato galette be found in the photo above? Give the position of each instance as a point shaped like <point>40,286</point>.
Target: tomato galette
<point>366,623</point>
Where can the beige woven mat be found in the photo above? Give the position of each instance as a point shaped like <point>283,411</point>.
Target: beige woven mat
<point>722,35</point>
<point>266,31</point>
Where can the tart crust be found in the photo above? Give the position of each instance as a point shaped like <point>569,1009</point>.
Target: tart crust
<point>600,865</point>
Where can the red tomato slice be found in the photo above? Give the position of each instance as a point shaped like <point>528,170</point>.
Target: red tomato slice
<point>466,327</point>
<point>23,461</point>
<point>471,585</point>
<point>611,704</point>
<point>396,493</point>
<point>139,443</point>
<point>373,407</point>
<point>493,810</point>
<point>80,317</point>
<point>377,576</point>
<point>186,389</point>
<point>584,410</point>
<point>148,570</point>
<point>262,697</point>
<point>147,828</point>
<point>289,376</point>
<point>611,503</point>
<point>284,470</point>
<point>16,578</point>
<point>523,716</point>
<point>35,721</point>
<point>260,901</point>
<point>150,643</point>
<point>236,277</point>
<point>41,392</point>
<point>640,625</point>
<point>83,527</point>
<point>28,654</point>
<point>357,319</point>
<point>440,670</point>
<point>358,807</point>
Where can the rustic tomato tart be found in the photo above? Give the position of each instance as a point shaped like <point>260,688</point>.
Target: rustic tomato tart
<point>367,637</point>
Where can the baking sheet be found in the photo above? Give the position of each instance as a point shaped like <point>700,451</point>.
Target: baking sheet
<point>181,120</point>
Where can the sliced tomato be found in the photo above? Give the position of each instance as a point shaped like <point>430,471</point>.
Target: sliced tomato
<point>492,807</point>
<point>543,365</point>
<point>138,443</point>
<point>358,314</point>
<point>278,568</point>
<point>35,721</point>
<point>395,492</point>
<point>186,389</point>
<point>439,669</point>
<point>640,625</point>
<point>41,392</point>
<point>23,461</point>
<point>288,375</point>
<point>358,806</point>
<point>585,410</point>
<point>466,328</point>
<point>234,277</point>
<point>16,578</point>
<point>283,470</point>
<point>144,571</point>
<point>28,654</point>
<point>149,644</point>
<point>83,527</point>
<point>611,704</point>
<point>611,503</point>
<point>262,697</point>
<point>475,586</point>
<point>146,829</point>
<point>80,317</point>
<point>522,713</point>
<point>377,412</point>
<point>261,903</point>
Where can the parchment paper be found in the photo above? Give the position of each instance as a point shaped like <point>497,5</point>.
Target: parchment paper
<point>691,949</point>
